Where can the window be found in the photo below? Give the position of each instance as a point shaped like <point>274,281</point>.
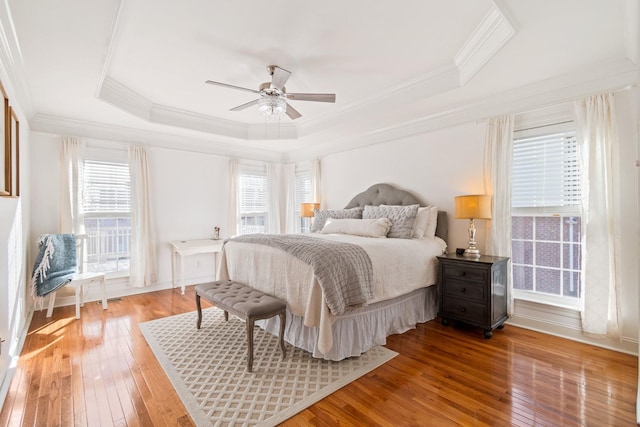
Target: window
<point>254,199</point>
<point>106,207</point>
<point>303,194</point>
<point>546,214</point>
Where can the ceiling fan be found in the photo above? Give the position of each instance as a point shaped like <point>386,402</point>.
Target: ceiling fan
<point>273,95</point>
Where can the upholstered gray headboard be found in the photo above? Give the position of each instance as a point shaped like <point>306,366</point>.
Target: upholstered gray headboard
<point>386,194</point>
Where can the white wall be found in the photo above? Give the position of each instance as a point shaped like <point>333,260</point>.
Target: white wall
<point>189,194</point>
<point>14,270</point>
<point>439,165</point>
<point>435,166</point>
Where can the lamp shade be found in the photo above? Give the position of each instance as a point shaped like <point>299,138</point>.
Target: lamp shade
<point>473,207</point>
<point>306,209</point>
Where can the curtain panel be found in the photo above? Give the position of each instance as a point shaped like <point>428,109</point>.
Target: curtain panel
<point>497,182</point>
<point>71,217</point>
<point>143,263</point>
<point>598,145</point>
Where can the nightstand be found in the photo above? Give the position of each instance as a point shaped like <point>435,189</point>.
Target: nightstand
<point>473,290</point>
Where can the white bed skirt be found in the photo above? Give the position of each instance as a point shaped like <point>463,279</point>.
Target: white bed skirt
<point>363,328</point>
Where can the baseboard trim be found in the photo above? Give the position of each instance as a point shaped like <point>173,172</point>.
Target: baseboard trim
<point>624,345</point>
<point>13,364</point>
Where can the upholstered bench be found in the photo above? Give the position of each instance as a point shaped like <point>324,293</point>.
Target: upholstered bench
<point>244,302</point>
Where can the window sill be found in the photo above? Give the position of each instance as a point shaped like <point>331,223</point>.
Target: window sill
<point>117,275</point>
<point>552,300</point>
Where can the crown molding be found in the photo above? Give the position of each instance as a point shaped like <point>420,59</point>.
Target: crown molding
<point>85,129</point>
<point>11,61</point>
<point>609,76</point>
<point>120,96</point>
<point>490,35</point>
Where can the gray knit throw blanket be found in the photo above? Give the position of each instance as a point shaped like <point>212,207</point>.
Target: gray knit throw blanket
<point>343,270</point>
<point>55,264</point>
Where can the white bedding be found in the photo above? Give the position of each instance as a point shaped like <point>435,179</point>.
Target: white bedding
<point>399,267</point>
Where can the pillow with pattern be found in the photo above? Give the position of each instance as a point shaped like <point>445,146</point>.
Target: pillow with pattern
<point>402,218</point>
<point>321,215</point>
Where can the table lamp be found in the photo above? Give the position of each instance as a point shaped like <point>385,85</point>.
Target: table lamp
<point>473,207</point>
<point>307,210</point>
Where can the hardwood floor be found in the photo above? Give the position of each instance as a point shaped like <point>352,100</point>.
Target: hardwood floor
<point>99,371</point>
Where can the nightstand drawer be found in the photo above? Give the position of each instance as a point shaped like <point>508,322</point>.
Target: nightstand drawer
<point>463,309</point>
<point>465,290</point>
<point>459,271</point>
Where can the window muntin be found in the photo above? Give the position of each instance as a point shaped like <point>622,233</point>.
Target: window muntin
<point>546,214</point>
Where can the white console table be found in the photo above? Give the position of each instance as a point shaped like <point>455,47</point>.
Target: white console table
<point>183,248</point>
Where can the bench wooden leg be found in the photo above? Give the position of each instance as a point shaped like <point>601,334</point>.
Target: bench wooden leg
<point>283,318</point>
<point>199,311</point>
<point>250,325</point>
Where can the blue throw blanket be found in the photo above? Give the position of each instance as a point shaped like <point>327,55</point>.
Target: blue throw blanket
<point>55,264</point>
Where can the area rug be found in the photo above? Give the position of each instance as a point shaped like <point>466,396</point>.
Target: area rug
<point>208,370</point>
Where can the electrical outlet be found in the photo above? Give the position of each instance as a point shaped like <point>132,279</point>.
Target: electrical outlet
<point>1,341</point>
<point>198,264</point>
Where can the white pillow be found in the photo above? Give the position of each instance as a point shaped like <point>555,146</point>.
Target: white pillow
<point>377,227</point>
<point>430,229</point>
<point>420,223</point>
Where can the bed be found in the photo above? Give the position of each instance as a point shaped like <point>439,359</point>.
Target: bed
<point>402,273</point>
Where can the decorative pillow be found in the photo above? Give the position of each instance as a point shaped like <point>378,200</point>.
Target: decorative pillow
<point>377,227</point>
<point>430,229</point>
<point>402,218</point>
<point>321,216</point>
<point>420,222</point>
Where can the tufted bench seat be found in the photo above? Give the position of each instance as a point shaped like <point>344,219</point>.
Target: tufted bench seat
<point>244,302</point>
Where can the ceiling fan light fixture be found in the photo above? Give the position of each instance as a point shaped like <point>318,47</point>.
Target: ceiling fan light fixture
<point>272,105</point>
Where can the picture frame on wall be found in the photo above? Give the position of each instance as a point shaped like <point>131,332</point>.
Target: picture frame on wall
<point>5,146</point>
<point>14,142</point>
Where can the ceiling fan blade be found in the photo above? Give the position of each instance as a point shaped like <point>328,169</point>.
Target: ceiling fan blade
<point>211,82</point>
<point>293,113</point>
<point>279,77</point>
<point>318,97</point>
<point>243,106</point>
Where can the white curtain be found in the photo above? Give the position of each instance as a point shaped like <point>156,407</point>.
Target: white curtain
<point>274,178</point>
<point>234,200</point>
<point>143,264</point>
<point>315,181</point>
<point>292,221</point>
<point>597,136</point>
<point>497,181</point>
<point>71,218</point>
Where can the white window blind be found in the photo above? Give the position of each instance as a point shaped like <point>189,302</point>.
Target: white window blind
<point>106,187</point>
<point>253,191</point>
<point>546,171</point>
<point>303,187</point>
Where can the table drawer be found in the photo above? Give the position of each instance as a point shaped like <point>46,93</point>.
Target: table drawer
<point>465,290</point>
<point>459,271</point>
<point>463,309</point>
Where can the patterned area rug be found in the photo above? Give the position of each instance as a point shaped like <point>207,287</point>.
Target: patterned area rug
<point>208,370</point>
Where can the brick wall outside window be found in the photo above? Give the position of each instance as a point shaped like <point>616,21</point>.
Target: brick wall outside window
<point>546,254</point>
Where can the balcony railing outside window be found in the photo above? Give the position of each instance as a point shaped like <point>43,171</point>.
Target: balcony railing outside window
<point>108,244</point>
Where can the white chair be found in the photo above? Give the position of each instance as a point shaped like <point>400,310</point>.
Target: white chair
<point>81,279</point>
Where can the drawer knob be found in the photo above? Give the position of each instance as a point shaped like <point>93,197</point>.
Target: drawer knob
<point>463,290</point>
<point>463,273</point>
<point>463,309</point>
